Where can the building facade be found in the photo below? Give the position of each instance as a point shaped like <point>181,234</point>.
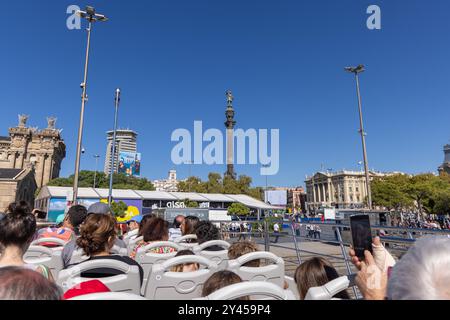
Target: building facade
<point>16,185</point>
<point>296,199</point>
<point>343,189</point>
<point>44,150</point>
<point>445,167</point>
<point>125,142</point>
<point>169,185</point>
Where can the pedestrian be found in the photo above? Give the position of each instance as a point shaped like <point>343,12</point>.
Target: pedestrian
<point>276,231</point>
<point>317,231</point>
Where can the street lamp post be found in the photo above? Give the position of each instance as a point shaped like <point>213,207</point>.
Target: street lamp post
<point>91,17</point>
<point>357,70</point>
<point>96,156</point>
<point>113,151</point>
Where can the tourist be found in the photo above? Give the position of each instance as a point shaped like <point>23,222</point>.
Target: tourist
<point>207,231</point>
<point>69,229</point>
<point>156,229</point>
<point>17,229</point>
<point>145,219</point>
<point>316,272</point>
<point>220,280</point>
<point>276,231</point>
<point>133,223</point>
<point>17,283</point>
<point>175,231</point>
<point>78,216</point>
<point>188,227</point>
<point>97,237</point>
<point>241,248</point>
<point>317,231</point>
<point>185,267</point>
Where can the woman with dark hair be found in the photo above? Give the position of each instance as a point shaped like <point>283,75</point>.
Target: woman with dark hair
<point>157,229</point>
<point>316,272</point>
<point>17,229</point>
<point>188,227</point>
<point>97,237</point>
<point>145,219</point>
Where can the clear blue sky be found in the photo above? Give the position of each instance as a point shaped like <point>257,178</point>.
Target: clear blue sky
<point>283,60</point>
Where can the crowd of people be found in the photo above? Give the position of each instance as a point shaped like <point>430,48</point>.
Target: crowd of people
<point>422,273</point>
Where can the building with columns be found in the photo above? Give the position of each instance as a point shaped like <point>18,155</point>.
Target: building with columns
<point>43,150</point>
<point>343,189</point>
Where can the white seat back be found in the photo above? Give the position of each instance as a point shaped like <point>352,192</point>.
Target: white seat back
<point>132,243</point>
<point>219,257</point>
<point>267,290</point>
<point>130,235</point>
<point>41,255</point>
<point>129,281</point>
<point>182,241</point>
<point>58,242</point>
<point>327,291</point>
<point>292,286</point>
<point>273,272</point>
<point>164,284</point>
<point>147,259</point>
<point>108,296</point>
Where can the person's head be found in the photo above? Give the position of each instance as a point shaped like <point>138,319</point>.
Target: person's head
<point>99,208</point>
<point>134,222</point>
<point>188,225</point>
<point>241,248</point>
<point>185,267</point>
<point>220,280</point>
<point>315,272</point>
<point>157,229</point>
<point>97,234</point>
<point>422,273</point>
<point>17,227</point>
<point>206,231</point>
<point>178,221</point>
<point>17,283</point>
<point>145,219</point>
<point>21,206</point>
<point>75,217</point>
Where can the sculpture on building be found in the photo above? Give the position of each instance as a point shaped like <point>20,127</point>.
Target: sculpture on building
<point>51,123</point>
<point>23,120</point>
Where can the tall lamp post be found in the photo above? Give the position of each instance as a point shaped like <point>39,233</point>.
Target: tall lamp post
<point>91,17</point>
<point>96,156</point>
<point>357,70</point>
<point>113,151</point>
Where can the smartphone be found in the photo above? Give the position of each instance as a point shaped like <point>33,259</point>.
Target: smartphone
<point>361,234</point>
<point>40,214</point>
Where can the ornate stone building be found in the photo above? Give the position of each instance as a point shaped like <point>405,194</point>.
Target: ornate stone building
<point>343,189</point>
<point>16,185</point>
<point>25,147</point>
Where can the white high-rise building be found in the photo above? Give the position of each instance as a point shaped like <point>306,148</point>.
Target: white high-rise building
<point>170,184</point>
<point>125,142</point>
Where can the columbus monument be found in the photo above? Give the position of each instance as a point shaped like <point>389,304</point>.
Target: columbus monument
<point>229,125</point>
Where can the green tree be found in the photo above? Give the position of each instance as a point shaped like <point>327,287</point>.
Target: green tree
<point>190,204</point>
<point>119,208</point>
<point>238,209</point>
<point>120,181</point>
<point>442,204</point>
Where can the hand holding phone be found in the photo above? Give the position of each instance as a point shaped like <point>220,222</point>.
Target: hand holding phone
<point>361,235</point>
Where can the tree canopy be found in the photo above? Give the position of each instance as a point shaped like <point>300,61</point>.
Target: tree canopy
<point>424,193</point>
<point>238,209</point>
<point>120,181</point>
<point>217,184</point>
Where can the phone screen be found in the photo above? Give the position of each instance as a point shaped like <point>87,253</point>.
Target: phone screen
<point>361,234</point>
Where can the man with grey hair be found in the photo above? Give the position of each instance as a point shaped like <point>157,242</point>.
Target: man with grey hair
<point>423,273</point>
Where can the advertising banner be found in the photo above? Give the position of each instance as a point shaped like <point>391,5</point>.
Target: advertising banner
<point>130,163</point>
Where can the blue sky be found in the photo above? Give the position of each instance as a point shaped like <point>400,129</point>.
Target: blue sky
<point>283,60</point>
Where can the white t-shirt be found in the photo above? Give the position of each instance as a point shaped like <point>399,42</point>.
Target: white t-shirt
<point>174,233</point>
<point>276,227</point>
